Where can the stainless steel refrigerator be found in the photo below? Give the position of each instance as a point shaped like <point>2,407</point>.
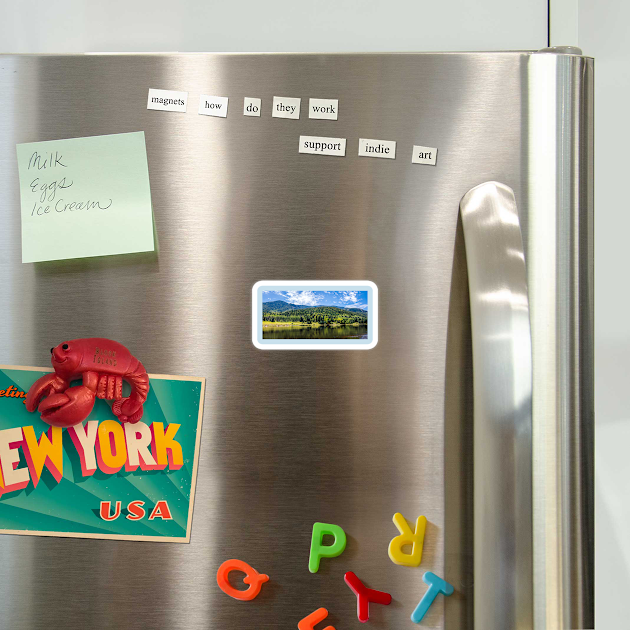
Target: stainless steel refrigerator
<point>475,407</point>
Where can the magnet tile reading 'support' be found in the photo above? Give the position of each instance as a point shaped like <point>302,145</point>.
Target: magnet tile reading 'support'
<point>285,107</point>
<point>323,108</point>
<point>423,155</point>
<point>167,100</point>
<point>322,146</point>
<point>213,105</point>
<point>377,148</point>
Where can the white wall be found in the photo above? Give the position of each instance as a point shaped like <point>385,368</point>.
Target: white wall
<point>603,27</point>
<point>263,25</point>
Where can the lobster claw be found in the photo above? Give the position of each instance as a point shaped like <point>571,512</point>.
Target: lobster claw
<point>68,408</point>
<point>43,386</point>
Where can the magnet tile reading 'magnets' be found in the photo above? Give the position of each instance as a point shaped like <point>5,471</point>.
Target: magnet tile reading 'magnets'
<point>377,148</point>
<point>322,146</point>
<point>167,100</point>
<point>285,107</point>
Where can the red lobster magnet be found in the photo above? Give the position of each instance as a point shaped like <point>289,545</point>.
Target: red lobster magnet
<point>102,364</point>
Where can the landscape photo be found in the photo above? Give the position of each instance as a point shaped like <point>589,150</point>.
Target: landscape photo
<point>319,315</point>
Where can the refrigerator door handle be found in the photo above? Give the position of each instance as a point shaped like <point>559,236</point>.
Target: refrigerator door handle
<point>502,374</point>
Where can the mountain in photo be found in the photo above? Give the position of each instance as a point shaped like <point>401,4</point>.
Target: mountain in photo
<point>278,306</point>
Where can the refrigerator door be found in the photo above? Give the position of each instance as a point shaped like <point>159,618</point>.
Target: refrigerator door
<point>292,438</point>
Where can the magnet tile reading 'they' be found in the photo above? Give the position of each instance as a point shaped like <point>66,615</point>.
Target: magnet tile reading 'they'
<point>377,148</point>
<point>322,146</point>
<point>285,107</point>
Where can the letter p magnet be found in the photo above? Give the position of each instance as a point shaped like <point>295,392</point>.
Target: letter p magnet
<point>319,550</point>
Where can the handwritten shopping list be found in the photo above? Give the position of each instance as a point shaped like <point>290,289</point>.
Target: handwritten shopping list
<point>85,197</point>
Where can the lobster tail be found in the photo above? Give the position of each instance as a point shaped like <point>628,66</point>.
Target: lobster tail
<point>130,409</point>
<point>139,381</point>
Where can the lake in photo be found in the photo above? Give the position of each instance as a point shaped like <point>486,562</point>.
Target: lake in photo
<point>324,332</point>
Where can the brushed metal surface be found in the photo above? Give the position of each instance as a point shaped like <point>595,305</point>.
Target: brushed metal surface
<point>289,438</point>
<point>560,272</point>
<point>502,372</point>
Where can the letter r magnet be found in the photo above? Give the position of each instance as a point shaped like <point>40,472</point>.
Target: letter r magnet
<point>407,537</point>
<point>319,551</point>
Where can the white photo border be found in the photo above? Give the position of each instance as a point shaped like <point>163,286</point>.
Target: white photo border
<point>314,344</point>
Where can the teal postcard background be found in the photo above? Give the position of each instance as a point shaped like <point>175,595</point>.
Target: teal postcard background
<point>72,505</point>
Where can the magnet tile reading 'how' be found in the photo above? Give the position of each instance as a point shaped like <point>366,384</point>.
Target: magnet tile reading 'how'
<point>322,146</point>
<point>167,100</point>
<point>213,105</point>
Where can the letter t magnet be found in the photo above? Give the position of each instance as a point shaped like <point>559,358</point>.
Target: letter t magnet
<point>436,586</point>
<point>407,537</point>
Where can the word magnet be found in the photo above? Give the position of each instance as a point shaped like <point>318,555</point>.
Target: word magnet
<point>251,106</point>
<point>252,577</point>
<point>285,107</point>
<point>167,100</point>
<point>323,108</point>
<point>377,148</point>
<point>319,550</point>
<point>424,155</point>
<point>365,596</point>
<point>407,537</point>
<point>213,105</point>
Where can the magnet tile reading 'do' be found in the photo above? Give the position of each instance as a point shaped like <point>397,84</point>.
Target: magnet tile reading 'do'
<point>251,106</point>
<point>377,148</point>
<point>167,100</point>
<point>213,105</point>
<point>424,155</point>
<point>323,108</point>
<point>322,146</point>
<point>285,107</point>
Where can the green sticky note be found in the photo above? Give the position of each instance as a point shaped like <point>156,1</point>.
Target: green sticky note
<point>85,197</point>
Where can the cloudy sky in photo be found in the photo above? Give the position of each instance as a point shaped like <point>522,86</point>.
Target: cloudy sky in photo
<point>345,299</point>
